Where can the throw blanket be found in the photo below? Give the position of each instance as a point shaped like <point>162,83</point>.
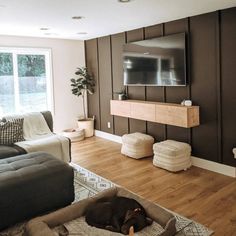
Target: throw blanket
<point>38,137</point>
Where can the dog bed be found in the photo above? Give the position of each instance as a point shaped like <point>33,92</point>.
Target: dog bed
<point>70,220</point>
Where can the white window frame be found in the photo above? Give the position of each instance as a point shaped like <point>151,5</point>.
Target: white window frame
<point>48,69</point>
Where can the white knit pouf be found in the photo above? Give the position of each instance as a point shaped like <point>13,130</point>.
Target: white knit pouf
<point>137,145</point>
<point>172,155</point>
<point>234,152</point>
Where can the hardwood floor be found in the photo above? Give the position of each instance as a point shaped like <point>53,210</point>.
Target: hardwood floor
<point>204,196</point>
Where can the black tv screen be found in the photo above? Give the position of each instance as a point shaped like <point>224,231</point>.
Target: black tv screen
<point>155,62</point>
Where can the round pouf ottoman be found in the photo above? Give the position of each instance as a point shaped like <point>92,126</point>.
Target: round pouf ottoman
<point>137,145</point>
<point>172,155</point>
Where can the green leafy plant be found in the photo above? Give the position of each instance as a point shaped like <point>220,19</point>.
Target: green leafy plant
<point>123,92</point>
<point>82,85</point>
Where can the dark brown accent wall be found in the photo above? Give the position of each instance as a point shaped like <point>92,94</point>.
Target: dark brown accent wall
<point>204,84</point>
<point>211,70</point>
<point>153,93</point>
<point>91,54</point>
<point>177,94</point>
<point>228,81</point>
<point>105,82</point>
<point>121,125</point>
<point>136,92</point>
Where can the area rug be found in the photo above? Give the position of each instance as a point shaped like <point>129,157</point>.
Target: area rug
<point>88,184</point>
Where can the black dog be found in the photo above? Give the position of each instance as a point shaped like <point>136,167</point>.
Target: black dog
<point>117,214</point>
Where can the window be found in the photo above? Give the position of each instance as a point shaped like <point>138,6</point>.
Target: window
<point>25,80</point>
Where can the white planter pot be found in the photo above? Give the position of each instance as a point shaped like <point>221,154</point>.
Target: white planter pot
<point>87,125</point>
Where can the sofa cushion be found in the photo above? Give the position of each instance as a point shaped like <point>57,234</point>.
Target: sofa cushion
<point>11,131</point>
<point>33,184</point>
<point>10,151</point>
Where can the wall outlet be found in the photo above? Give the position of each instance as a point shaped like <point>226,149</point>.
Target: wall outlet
<point>108,125</point>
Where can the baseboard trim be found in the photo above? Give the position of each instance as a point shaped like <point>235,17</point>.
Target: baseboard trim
<point>214,166</point>
<point>111,137</point>
<point>196,161</point>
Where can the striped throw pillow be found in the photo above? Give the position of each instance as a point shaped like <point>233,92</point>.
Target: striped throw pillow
<point>11,131</point>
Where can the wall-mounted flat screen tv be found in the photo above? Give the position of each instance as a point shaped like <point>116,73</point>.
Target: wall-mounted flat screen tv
<point>156,62</point>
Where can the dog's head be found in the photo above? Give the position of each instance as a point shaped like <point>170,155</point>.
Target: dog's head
<point>136,218</point>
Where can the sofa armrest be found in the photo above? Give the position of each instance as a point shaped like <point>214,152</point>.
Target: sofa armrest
<point>10,151</point>
<point>48,117</point>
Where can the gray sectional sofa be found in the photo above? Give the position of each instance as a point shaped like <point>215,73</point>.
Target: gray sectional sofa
<point>14,150</point>
<point>51,145</point>
<point>33,183</point>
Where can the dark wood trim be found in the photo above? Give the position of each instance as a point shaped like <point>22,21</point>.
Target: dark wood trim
<point>86,64</point>
<point>218,81</point>
<point>188,59</point>
<point>164,89</point>
<point>98,85</point>
<point>113,119</point>
<point>188,73</point>
<point>145,88</point>
<point>127,88</point>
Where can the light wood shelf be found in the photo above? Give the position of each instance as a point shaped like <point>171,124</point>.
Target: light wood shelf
<point>164,113</point>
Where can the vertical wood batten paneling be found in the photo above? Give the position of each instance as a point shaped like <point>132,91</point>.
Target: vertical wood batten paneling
<point>136,92</point>
<point>228,80</point>
<point>177,94</point>
<point>211,74</point>
<point>218,82</point>
<point>92,65</point>
<point>117,42</point>
<point>155,93</point>
<point>188,72</point>
<point>204,84</point>
<point>104,62</point>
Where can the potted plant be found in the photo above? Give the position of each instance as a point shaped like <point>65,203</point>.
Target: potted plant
<point>82,86</point>
<point>122,95</point>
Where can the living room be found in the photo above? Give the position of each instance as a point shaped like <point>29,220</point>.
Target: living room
<point>40,55</point>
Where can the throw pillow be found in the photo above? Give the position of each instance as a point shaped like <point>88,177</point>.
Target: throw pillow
<point>11,131</point>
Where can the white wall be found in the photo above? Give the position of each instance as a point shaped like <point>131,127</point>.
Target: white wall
<point>67,55</point>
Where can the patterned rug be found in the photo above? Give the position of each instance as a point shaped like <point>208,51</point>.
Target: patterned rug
<point>88,184</point>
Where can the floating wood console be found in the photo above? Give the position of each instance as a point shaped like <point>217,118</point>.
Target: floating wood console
<point>164,113</point>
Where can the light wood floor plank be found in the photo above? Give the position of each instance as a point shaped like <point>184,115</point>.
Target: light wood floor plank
<point>201,195</point>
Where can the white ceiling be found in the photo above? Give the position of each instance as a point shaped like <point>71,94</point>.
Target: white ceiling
<point>101,17</point>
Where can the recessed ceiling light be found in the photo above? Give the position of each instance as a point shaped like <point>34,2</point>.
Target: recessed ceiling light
<point>77,17</point>
<point>51,34</point>
<point>82,33</point>
<point>123,1</point>
<point>44,28</point>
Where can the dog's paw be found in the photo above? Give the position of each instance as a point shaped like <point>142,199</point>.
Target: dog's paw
<point>109,227</point>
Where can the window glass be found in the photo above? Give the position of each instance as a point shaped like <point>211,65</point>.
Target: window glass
<point>32,82</point>
<point>24,80</point>
<point>7,101</point>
